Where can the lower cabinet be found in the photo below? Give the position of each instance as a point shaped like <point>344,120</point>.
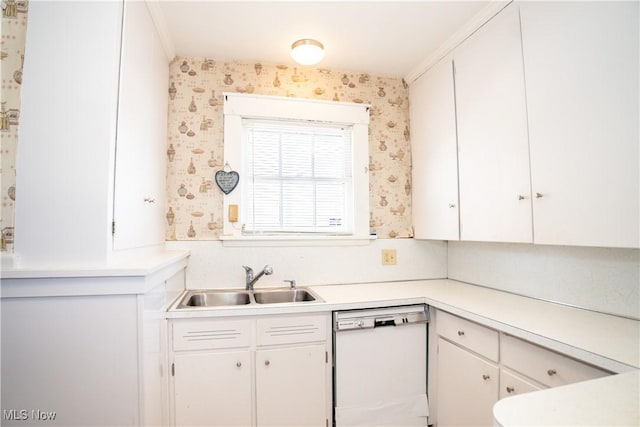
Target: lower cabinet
<point>477,366</point>
<point>512,384</point>
<point>256,371</point>
<point>291,386</point>
<point>213,388</point>
<point>467,386</point>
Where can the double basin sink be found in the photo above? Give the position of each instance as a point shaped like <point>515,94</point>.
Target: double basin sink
<point>220,298</point>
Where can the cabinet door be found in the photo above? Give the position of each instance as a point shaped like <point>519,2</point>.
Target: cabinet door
<point>291,386</point>
<point>467,387</point>
<point>581,62</point>
<point>512,384</point>
<point>495,202</point>
<point>434,154</point>
<point>213,389</point>
<point>139,193</point>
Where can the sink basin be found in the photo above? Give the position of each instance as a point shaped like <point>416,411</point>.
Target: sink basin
<point>197,299</point>
<point>214,299</point>
<point>281,296</point>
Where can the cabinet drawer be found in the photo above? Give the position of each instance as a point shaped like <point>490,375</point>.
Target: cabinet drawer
<point>477,338</point>
<point>512,384</point>
<point>205,334</point>
<point>291,329</point>
<point>545,366</point>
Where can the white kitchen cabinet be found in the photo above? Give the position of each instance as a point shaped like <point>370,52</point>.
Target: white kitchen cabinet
<point>582,64</point>
<point>91,349</point>
<point>561,164</point>
<point>90,78</point>
<point>434,154</point>
<point>470,335</point>
<point>544,366</point>
<point>477,365</point>
<point>213,389</point>
<point>141,136</point>
<point>212,372</point>
<point>291,386</point>
<point>512,384</point>
<point>467,371</point>
<point>493,151</point>
<point>260,371</point>
<point>467,387</point>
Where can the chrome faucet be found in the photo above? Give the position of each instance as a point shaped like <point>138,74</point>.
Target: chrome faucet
<point>251,280</point>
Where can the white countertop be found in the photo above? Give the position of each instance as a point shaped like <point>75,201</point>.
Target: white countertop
<point>126,276</point>
<point>610,342</point>
<point>607,341</point>
<point>129,267</point>
<point>608,401</point>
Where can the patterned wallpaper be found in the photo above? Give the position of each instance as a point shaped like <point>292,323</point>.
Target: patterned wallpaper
<point>195,145</point>
<point>14,27</point>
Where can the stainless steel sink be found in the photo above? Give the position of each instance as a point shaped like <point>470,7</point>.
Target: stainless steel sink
<point>283,295</point>
<point>214,299</point>
<point>196,299</point>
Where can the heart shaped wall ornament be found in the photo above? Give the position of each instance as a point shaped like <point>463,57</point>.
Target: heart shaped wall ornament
<point>227,181</point>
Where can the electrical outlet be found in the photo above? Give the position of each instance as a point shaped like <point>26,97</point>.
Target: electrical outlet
<point>389,257</point>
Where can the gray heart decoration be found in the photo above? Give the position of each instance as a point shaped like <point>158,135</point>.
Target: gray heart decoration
<point>227,181</point>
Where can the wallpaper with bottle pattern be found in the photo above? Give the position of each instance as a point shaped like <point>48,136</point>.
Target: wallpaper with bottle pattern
<point>195,137</point>
<point>12,43</point>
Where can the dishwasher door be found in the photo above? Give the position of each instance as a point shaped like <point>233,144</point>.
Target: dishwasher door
<point>380,367</point>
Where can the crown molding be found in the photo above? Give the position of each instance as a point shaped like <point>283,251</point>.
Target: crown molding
<point>471,26</point>
<point>157,16</point>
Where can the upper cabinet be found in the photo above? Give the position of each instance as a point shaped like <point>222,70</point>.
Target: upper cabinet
<point>140,193</point>
<point>581,64</point>
<point>94,73</point>
<point>546,97</point>
<point>493,152</point>
<point>435,157</point>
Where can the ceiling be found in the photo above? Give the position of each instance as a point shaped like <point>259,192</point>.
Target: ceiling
<point>386,38</point>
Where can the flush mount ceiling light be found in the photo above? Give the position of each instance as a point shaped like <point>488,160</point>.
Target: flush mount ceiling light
<point>307,51</point>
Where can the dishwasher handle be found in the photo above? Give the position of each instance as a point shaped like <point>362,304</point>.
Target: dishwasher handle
<point>384,322</point>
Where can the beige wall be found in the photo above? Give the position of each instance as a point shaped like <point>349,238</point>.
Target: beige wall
<point>195,146</point>
<point>14,27</point>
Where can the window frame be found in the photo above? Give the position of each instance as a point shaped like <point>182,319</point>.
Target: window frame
<point>248,106</point>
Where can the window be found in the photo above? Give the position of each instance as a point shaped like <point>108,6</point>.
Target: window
<point>303,168</point>
<point>298,177</point>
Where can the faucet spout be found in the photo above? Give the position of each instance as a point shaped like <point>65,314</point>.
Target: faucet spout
<point>251,279</point>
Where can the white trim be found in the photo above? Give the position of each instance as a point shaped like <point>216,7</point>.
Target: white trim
<point>239,106</point>
<point>282,107</point>
<point>470,27</point>
<point>297,241</point>
<point>157,16</point>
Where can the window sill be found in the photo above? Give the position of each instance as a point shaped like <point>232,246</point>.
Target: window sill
<point>274,241</point>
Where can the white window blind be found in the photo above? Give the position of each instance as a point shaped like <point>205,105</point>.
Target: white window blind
<point>299,177</point>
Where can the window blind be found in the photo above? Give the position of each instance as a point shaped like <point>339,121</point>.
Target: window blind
<point>299,177</point>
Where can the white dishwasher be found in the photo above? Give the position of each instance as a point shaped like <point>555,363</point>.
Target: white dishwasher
<point>380,366</point>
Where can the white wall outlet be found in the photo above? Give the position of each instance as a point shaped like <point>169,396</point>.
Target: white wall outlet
<point>389,257</point>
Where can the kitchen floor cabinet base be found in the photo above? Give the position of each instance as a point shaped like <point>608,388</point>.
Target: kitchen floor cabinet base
<point>477,366</point>
<point>251,371</point>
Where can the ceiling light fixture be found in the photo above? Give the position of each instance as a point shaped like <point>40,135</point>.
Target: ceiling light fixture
<point>307,51</point>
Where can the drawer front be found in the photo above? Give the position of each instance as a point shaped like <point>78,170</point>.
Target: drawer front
<point>205,334</point>
<point>291,329</point>
<point>545,366</point>
<point>512,384</point>
<point>473,336</point>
